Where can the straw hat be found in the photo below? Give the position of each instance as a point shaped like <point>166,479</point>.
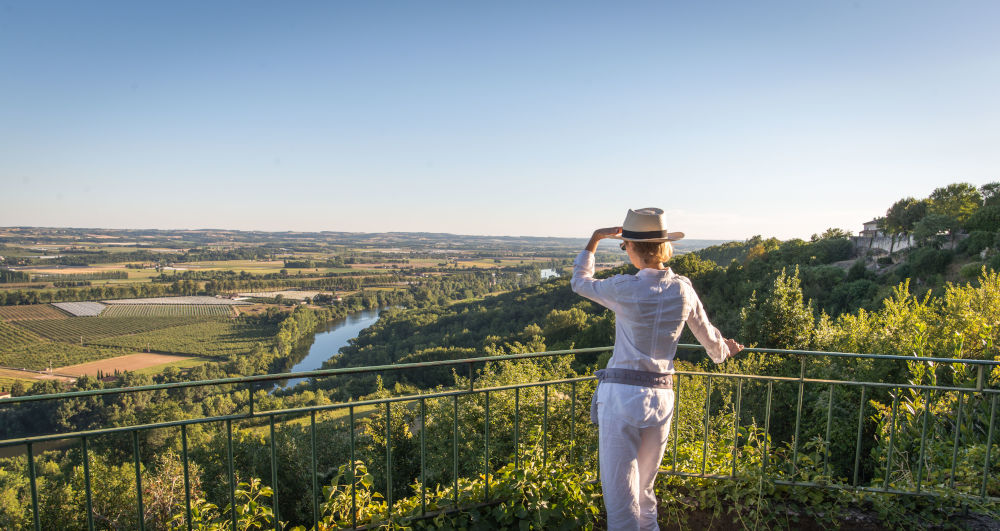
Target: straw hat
<point>647,225</point>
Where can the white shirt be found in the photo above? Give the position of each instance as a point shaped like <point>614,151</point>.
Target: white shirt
<point>651,309</point>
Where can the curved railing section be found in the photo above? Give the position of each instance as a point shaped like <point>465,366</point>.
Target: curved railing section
<point>814,430</point>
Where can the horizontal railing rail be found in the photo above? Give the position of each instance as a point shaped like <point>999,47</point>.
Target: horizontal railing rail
<point>676,467</point>
<point>464,361</point>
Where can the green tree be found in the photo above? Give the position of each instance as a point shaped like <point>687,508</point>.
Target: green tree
<point>990,193</point>
<point>956,201</point>
<point>928,230</point>
<point>986,219</point>
<point>899,218</point>
<point>778,318</point>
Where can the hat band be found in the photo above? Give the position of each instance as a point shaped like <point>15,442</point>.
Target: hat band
<point>646,235</point>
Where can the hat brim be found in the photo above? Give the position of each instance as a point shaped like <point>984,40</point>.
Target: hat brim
<point>670,237</point>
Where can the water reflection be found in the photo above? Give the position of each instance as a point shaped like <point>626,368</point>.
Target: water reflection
<point>327,342</point>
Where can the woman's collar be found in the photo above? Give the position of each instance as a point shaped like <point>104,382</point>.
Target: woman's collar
<point>648,271</point>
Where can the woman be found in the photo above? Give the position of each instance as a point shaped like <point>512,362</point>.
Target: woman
<point>634,400</point>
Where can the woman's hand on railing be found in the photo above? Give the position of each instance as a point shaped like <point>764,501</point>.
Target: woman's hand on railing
<point>734,348</point>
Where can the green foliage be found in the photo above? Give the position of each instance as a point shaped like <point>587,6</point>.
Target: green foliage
<point>956,201</point>
<point>202,338</point>
<point>990,193</point>
<point>42,354</point>
<point>536,495</point>
<point>89,329</point>
<point>927,261</point>
<point>986,218</point>
<point>251,512</point>
<point>977,241</point>
<point>779,318</point>
<point>928,230</point>
<point>971,270</point>
<point>168,310</point>
<point>12,336</point>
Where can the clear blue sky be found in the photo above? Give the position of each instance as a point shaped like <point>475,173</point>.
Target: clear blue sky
<point>509,118</point>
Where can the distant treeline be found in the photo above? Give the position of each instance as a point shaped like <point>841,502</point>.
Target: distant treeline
<point>9,275</point>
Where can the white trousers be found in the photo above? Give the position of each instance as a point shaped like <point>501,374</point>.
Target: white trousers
<point>630,457</point>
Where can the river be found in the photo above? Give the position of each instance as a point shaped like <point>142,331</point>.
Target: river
<point>328,339</point>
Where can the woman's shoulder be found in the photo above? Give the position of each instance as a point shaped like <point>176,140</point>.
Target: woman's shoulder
<point>683,280</point>
<point>622,278</point>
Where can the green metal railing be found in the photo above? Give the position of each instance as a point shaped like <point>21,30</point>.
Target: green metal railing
<point>980,391</point>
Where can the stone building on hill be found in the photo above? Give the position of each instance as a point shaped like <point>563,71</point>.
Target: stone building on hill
<point>872,238</point>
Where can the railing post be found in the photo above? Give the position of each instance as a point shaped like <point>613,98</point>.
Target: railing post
<point>517,426</point>
<point>232,473</point>
<point>572,423</point>
<point>423,457</point>
<point>798,416</point>
<point>958,432</point>
<point>354,488</point>
<point>857,449</point>
<point>87,485</point>
<point>765,458</point>
<point>923,438</point>
<point>545,425</point>
<point>250,401</point>
<point>471,373</point>
<point>736,422</point>
<point>486,451</point>
<point>704,444</point>
<point>315,486</point>
<point>676,415</point>
<point>274,475</point>
<point>892,439</point>
<point>34,488</point>
<point>187,476</point>
<point>829,422</point>
<point>454,447</point>
<point>138,480</point>
<point>388,462</point>
<point>989,446</point>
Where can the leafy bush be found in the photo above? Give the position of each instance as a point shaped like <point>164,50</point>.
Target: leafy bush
<point>927,261</point>
<point>976,242</point>
<point>971,270</point>
<point>986,218</point>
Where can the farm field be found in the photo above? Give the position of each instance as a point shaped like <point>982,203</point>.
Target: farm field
<point>129,362</point>
<point>81,309</point>
<point>167,310</point>
<point>12,336</point>
<point>250,266</point>
<point>176,300</point>
<point>186,362</point>
<point>27,378</point>
<point>218,338</point>
<point>89,329</point>
<point>287,294</point>
<point>44,354</point>
<point>134,275</point>
<point>31,311</point>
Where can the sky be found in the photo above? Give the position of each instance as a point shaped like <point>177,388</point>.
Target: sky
<point>544,118</point>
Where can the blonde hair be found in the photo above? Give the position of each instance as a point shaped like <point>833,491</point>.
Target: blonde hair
<point>654,252</point>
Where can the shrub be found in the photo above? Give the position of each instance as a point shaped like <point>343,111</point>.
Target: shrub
<point>994,263</point>
<point>976,242</point>
<point>971,270</point>
<point>986,218</point>
<point>927,261</point>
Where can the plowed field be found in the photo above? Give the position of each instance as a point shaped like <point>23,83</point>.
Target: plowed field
<point>130,362</point>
